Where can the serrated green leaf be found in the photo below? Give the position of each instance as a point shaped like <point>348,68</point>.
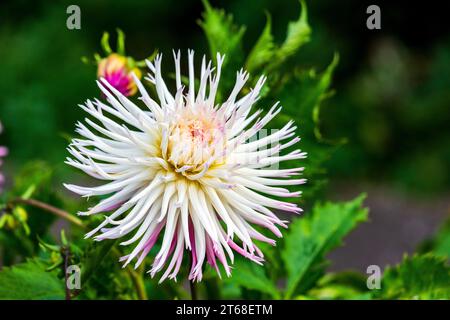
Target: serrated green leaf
<point>263,50</point>
<point>223,37</point>
<point>417,277</point>
<point>222,34</point>
<point>312,236</point>
<point>29,280</point>
<point>303,94</point>
<point>302,97</point>
<point>249,275</point>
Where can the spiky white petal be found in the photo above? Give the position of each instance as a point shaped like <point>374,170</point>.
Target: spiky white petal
<point>186,171</point>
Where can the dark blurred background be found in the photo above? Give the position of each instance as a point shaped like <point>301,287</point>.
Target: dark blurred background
<point>391,102</point>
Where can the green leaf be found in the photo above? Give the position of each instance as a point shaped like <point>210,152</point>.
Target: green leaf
<point>335,291</point>
<point>251,276</point>
<point>302,97</point>
<point>440,243</point>
<point>21,216</point>
<point>312,236</point>
<point>298,34</point>
<point>222,34</point>
<point>304,93</point>
<point>263,50</point>
<point>342,285</point>
<point>33,175</point>
<point>417,277</point>
<point>226,38</point>
<point>29,280</point>
<point>94,258</point>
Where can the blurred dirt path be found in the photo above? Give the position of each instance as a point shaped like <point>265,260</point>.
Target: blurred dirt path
<point>397,224</point>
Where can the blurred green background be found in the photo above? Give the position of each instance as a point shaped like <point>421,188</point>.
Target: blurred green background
<point>392,95</point>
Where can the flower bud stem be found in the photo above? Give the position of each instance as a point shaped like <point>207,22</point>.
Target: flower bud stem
<point>49,208</point>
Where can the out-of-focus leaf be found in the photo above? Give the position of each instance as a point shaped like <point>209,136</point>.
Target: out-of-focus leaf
<point>342,285</point>
<point>21,215</point>
<point>417,277</point>
<point>226,38</point>
<point>298,34</point>
<point>312,236</point>
<point>31,177</point>
<point>94,258</point>
<point>29,280</point>
<point>335,291</point>
<point>440,243</point>
<point>251,276</point>
<point>47,246</point>
<point>263,50</point>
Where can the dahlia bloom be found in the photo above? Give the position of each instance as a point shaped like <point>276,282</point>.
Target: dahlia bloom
<point>186,170</point>
<point>3,153</point>
<point>117,70</point>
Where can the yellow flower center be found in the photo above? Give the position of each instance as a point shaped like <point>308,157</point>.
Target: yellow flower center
<point>196,139</point>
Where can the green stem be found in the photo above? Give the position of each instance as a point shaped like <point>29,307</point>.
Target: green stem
<point>49,208</point>
<point>212,288</point>
<point>138,283</point>
<point>136,278</point>
<point>193,287</point>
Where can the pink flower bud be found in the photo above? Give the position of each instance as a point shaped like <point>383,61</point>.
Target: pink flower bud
<point>116,69</point>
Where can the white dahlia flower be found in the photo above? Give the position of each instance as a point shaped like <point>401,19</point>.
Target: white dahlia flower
<point>187,171</point>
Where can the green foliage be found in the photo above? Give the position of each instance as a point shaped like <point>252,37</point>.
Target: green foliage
<point>253,277</point>
<point>29,280</point>
<point>301,92</point>
<point>94,258</point>
<point>270,55</point>
<point>440,243</point>
<point>105,278</point>
<point>21,224</point>
<point>223,37</point>
<point>311,237</point>
<point>298,33</point>
<point>222,34</point>
<point>394,113</point>
<point>343,285</point>
<point>303,261</point>
<point>263,50</point>
<point>417,277</point>
<point>302,96</point>
<point>296,268</point>
<point>32,177</point>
